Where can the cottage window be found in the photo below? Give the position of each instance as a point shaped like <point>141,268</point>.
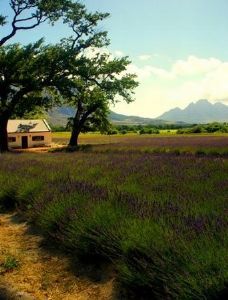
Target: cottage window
<point>12,139</point>
<point>38,138</point>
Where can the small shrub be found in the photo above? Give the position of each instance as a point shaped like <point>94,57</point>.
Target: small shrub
<point>196,129</point>
<point>8,197</point>
<point>149,131</point>
<point>28,192</point>
<point>123,131</point>
<point>200,152</point>
<point>176,151</point>
<point>10,264</point>
<point>112,132</point>
<point>214,152</point>
<point>180,131</point>
<point>97,232</point>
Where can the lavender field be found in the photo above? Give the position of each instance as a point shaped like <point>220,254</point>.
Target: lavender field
<point>208,143</point>
<point>161,220</point>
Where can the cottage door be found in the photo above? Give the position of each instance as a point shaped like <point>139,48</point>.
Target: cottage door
<point>24,142</point>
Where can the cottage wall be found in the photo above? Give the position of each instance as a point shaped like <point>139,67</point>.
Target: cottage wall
<point>35,139</point>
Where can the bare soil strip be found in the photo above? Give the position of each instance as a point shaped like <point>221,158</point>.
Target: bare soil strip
<point>39,274</point>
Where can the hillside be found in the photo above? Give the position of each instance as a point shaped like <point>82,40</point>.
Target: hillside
<point>200,112</point>
<point>116,118</point>
<point>60,115</point>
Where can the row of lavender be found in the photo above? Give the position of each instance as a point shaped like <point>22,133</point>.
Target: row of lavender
<point>162,220</point>
<point>199,144</point>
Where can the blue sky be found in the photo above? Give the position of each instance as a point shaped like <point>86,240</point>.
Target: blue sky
<point>178,48</point>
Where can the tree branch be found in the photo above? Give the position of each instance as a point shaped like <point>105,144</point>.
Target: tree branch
<point>18,10</point>
<point>87,113</point>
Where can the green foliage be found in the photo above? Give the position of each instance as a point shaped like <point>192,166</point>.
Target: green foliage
<point>2,20</point>
<point>98,82</point>
<point>37,113</point>
<point>8,193</point>
<point>59,128</point>
<point>112,131</point>
<point>22,82</point>
<point>123,131</point>
<point>149,131</point>
<point>207,128</point>
<point>10,264</point>
<point>217,127</point>
<point>96,121</point>
<point>28,191</point>
<point>97,231</point>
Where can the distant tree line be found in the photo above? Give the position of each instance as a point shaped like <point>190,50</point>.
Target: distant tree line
<point>112,129</point>
<point>205,128</point>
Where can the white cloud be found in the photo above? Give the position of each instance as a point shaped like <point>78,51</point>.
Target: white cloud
<point>142,72</point>
<point>118,53</point>
<point>148,71</point>
<point>192,78</point>
<point>185,81</point>
<point>162,73</point>
<point>144,57</point>
<point>212,86</point>
<point>194,66</point>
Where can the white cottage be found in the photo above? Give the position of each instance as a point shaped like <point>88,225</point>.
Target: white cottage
<point>28,133</point>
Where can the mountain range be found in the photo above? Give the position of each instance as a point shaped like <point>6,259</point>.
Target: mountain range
<point>200,112</point>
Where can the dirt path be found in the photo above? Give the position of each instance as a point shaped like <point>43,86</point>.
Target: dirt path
<point>28,268</point>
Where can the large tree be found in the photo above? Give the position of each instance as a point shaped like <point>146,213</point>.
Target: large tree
<point>31,75</point>
<point>97,82</point>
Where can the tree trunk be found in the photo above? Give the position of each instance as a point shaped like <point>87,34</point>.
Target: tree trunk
<point>78,123</point>
<point>76,126</point>
<point>74,137</point>
<point>3,135</point>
